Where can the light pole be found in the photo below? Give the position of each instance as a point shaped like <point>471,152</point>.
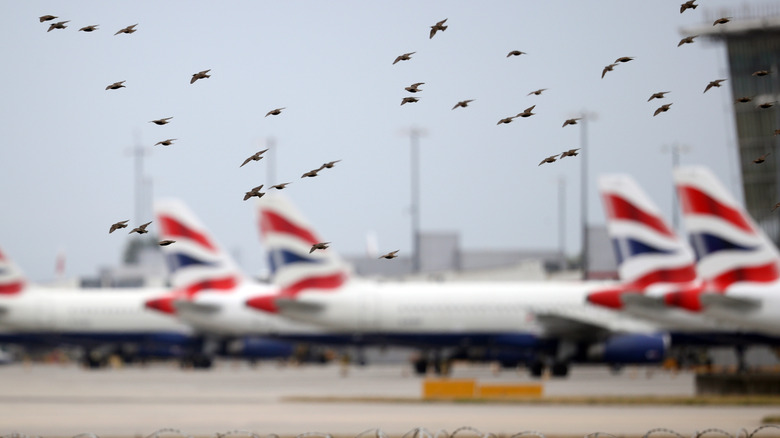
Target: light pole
<point>585,117</point>
<point>561,220</point>
<point>414,140</point>
<point>675,150</point>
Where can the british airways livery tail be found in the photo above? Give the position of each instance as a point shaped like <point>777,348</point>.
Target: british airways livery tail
<point>11,278</point>
<point>651,258</point>
<point>288,239</point>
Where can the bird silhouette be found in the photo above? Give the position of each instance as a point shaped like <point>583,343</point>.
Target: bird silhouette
<point>610,67</point>
<point>571,121</point>
<point>662,109</point>
<point>686,40</point>
<point>161,121</point>
<point>760,73</point>
<point>47,17</point>
<point>404,57</point>
<point>715,83</point>
<point>505,120</point>
<point>128,30</point>
<point>658,95</point>
<point>409,100</point>
<point>116,85</point>
<point>413,88</point>
<point>200,75</point>
<point>527,112</point>
<point>254,192</point>
<point>688,5</point>
<point>438,27</point>
<point>762,158</point>
<point>624,59</point>
<point>165,242</point>
<point>550,159</point>
<point>390,255</point>
<point>166,142</point>
<point>279,186</point>
<point>90,28</point>
<point>274,112</point>
<point>766,105</point>
<point>311,173</point>
<point>118,225</point>
<point>257,156</point>
<point>463,103</point>
<point>743,99</point>
<point>515,53</point>
<point>58,25</point>
<point>141,229</point>
<point>723,20</point>
<point>776,207</point>
<point>570,153</point>
<point>329,164</point>
<point>321,245</point>
<point>536,92</point>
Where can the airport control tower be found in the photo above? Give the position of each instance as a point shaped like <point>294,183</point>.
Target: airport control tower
<point>752,38</point>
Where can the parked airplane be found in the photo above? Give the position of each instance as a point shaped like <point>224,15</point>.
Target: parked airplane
<point>739,265</point>
<point>545,322</point>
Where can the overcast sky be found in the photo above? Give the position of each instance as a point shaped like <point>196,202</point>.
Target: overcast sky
<point>66,171</point>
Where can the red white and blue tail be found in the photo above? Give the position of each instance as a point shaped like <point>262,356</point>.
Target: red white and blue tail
<point>288,239</point>
<point>729,246</point>
<point>12,280</point>
<point>649,254</point>
<point>195,261</point>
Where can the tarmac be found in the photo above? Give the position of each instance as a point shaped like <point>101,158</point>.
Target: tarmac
<point>66,400</point>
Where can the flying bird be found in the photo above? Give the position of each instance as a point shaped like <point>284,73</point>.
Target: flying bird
<point>58,25</point>
<point>90,28</point>
<point>413,88</point>
<point>118,225</point>
<point>688,5</point>
<point>47,17</point>
<point>515,53</point>
<point>760,73</point>
<point>762,158</point>
<point>161,121</point>
<point>536,92</point>
<point>438,27</point>
<point>463,103</point>
<point>409,100</point>
<point>723,20</point>
<point>321,245</point>
<point>166,142</point>
<point>311,173</point>
<point>128,30</point>
<point>254,192</point>
<point>404,57</point>
<point>505,120</point>
<point>776,206</point>
<point>715,83</point>
<point>662,109</point>
<point>116,85</point>
<point>624,59</point>
<point>686,40</point>
<point>743,99</point>
<point>658,95</point>
<point>571,121</point>
<point>141,229</point>
<point>257,156</point>
<point>550,159</point>
<point>390,255</point>
<point>274,112</point>
<point>606,69</point>
<point>777,132</point>
<point>165,242</point>
<point>329,165</point>
<point>200,75</point>
<point>279,186</point>
<point>527,112</point>
<point>570,153</point>
<point>766,105</point>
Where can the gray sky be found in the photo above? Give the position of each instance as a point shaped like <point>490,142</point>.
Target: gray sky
<point>66,172</point>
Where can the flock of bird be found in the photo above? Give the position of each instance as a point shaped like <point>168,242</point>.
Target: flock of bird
<point>414,89</point>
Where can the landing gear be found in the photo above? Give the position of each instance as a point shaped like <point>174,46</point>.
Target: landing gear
<point>197,361</point>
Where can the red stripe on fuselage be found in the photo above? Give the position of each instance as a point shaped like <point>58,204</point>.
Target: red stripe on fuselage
<point>695,201</point>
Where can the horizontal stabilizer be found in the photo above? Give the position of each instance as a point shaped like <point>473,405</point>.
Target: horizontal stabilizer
<point>195,307</point>
<point>726,302</point>
<point>295,305</point>
<point>644,302</point>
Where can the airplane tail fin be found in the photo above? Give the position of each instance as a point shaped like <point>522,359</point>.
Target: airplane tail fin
<point>288,239</point>
<point>195,260</point>
<point>12,279</point>
<point>729,246</point>
<point>649,254</point>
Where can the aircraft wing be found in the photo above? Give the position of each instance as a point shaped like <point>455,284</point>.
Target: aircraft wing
<point>583,323</point>
<point>731,303</point>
